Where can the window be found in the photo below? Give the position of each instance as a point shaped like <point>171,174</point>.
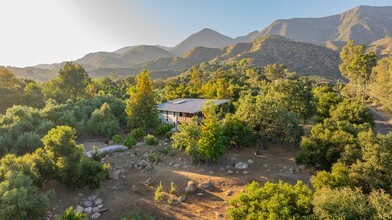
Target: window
<point>180,114</point>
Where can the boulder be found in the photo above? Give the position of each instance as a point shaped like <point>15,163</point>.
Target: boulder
<point>144,163</point>
<point>206,184</point>
<point>78,209</point>
<point>115,175</point>
<point>177,165</point>
<point>250,161</point>
<point>241,165</point>
<point>95,215</point>
<point>191,187</point>
<point>95,209</point>
<point>88,204</point>
<point>181,198</point>
<point>91,198</point>
<point>149,181</point>
<point>134,188</point>
<point>88,210</point>
<point>98,201</point>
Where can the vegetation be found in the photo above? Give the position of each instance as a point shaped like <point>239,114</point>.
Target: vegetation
<point>150,140</point>
<point>158,196</point>
<point>70,214</point>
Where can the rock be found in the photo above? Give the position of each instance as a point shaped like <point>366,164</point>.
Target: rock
<point>95,209</point>
<point>221,169</point>
<point>200,194</point>
<point>115,175</point>
<point>134,188</point>
<point>78,209</point>
<point>215,207</point>
<point>177,165</point>
<point>230,172</point>
<point>245,172</point>
<point>206,184</point>
<point>91,198</point>
<point>229,193</point>
<point>144,163</point>
<point>88,210</point>
<point>148,168</point>
<point>250,161</point>
<point>185,167</point>
<point>80,194</point>
<point>98,201</point>
<point>181,198</point>
<point>95,215</point>
<point>88,204</point>
<point>211,172</point>
<point>219,215</point>
<point>241,165</point>
<point>175,202</point>
<point>191,187</point>
<point>100,206</point>
<point>301,168</point>
<point>149,181</point>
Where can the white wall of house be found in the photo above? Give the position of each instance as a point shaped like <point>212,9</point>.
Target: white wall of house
<point>169,118</point>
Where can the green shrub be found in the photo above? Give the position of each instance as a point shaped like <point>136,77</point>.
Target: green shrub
<point>162,129</point>
<point>138,133</point>
<point>152,157</point>
<point>129,142</point>
<point>168,150</point>
<point>97,154</point>
<point>150,140</point>
<point>69,214</point>
<point>158,193</point>
<point>116,138</point>
<point>169,134</point>
<point>173,187</point>
<point>91,173</point>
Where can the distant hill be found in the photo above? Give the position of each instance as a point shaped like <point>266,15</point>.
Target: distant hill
<point>204,38</point>
<point>382,47</point>
<point>364,24</point>
<point>304,58</point>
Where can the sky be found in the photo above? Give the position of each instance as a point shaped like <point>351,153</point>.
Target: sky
<point>50,31</point>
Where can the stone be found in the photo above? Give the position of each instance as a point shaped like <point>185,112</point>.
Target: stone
<point>219,215</point>
<point>206,184</point>
<point>95,209</point>
<point>229,193</point>
<point>200,194</point>
<point>100,206</point>
<point>78,209</point>
<point>301,168</point>
<point>230,172</point>
<point>88,210</point>
<point>88,204</point>
<point>185,167</point>
<point>98,201</point>
<point>211,172</point>
<point>144,163</point>
<point>221,169</point>
<point>134,188</point>
<point>177,165</point>
<point>245,172</point>
<point>215,207</point>
<point>95,215</point>
<point>250,161</point>
<point>115,175</point>
<point>91,198</point>
<point>80,194</point>
<point>241,165</point>
<point>191,187</point>
<point>175,202</point>
<point>181,198</point>
<point>149,181</point>
<point>148,168</point>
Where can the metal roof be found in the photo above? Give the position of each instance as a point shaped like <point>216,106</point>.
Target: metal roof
<point>188,105</point>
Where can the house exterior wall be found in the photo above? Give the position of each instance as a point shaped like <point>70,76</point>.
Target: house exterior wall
<point>174,118</point>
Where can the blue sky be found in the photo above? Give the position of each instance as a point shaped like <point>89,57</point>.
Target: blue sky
<point>47,31</point>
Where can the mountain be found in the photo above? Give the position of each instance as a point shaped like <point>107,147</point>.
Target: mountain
<point>247,38</point>
<point>304,58</point>
<point>204,38</point>
<point>364,24</point>
<point>382,47</point>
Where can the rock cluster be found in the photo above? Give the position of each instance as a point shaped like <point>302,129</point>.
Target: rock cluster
<point>92,206</point>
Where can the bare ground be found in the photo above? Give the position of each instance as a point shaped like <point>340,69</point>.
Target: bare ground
<point>276,163</point>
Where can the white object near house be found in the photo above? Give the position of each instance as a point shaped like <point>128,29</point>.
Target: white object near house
<point>177,111</point>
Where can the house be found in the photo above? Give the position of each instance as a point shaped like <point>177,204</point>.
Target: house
<point>179,110</point>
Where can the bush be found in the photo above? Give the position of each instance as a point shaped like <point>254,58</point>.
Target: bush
<point>91,173</point>
<point>129,142</point>
<point>162,129</point>
<point>116,138</point>
<point>137,133</point>
<point>150,140</point>
<point>158,193</point>
<point>168,150</point>
<point>152,157</point>
<point>169,134</point>
<point>97,154</point>
<point>272,201</point>
<point>69,214</point>
<point>173,187</point>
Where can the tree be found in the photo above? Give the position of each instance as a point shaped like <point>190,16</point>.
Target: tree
<point>237,134</point>
<point>353,111</point>
<point>276,71</point>
<point>141,106</point>
<point>381,85</point>
<point>187,138</point>
<point>71,83</point>
<point>272,201</point>
<point>325,99</point>
<point>19,198</point>
<point>10,89</point>
<point>211,145</point>
<point>33,96</point>
<point>344,203</point>
<point>103,122</point>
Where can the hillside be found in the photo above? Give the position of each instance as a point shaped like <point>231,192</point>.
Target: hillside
<point>304,58</point>
<point>364,24</point>
<point>382,47</point>
<point>204,38</point>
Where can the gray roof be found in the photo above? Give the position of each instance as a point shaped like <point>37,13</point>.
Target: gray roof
<point>188,105</point>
